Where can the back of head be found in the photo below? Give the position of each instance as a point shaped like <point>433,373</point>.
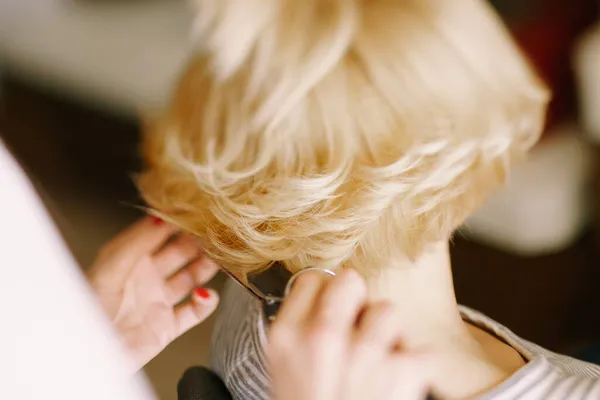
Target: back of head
<point>339,132</point>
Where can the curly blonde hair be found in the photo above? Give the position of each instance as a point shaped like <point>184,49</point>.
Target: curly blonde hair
<point>339,132</point>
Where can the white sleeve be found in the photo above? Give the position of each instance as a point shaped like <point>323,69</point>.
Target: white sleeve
<point>54,340</point>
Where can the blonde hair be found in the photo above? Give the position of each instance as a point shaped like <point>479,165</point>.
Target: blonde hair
<point>339,132</point>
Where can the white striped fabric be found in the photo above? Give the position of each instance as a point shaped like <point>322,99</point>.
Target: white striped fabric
<point>239,338</point>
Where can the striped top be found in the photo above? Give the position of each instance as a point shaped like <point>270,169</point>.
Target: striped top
<point>239,338</point>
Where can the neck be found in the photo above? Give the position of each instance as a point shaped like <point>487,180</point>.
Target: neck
<point>423,293</point>
<point>466,360</point>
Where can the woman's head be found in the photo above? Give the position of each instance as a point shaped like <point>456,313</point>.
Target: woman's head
<point>335,132</point>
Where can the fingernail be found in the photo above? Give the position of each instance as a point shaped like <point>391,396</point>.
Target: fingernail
<point>157,221</point>
<point>202,293</point>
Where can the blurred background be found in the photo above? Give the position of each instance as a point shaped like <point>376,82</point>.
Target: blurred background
<point>77,74</point>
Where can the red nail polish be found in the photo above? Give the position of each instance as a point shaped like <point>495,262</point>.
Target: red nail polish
<point>157,221</point>
<point>202,293</point>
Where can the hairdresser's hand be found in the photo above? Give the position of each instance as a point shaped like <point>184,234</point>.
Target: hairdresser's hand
<point>327,344</point>
<point>142,276</point>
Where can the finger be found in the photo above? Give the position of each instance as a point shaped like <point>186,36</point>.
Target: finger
<point>301,299</point>
<point>142,238</point>
<point>378,328</point>
<point>179,286</point>
<point>410,377</point>
<point>184,281</point>
<point>176,254</point>
<point>203,303</point>
<point>340,301</point>
<point>203,270</point>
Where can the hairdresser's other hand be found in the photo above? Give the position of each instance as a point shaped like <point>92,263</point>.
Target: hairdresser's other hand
<point>327,344</point>
<point>141,278</point>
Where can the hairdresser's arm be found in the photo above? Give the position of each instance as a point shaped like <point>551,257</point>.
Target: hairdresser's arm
<point>54,342</point>
<point>327,344</point>
<point>148,282</point>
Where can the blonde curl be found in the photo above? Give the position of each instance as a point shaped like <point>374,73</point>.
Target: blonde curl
<point>339,132</point>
